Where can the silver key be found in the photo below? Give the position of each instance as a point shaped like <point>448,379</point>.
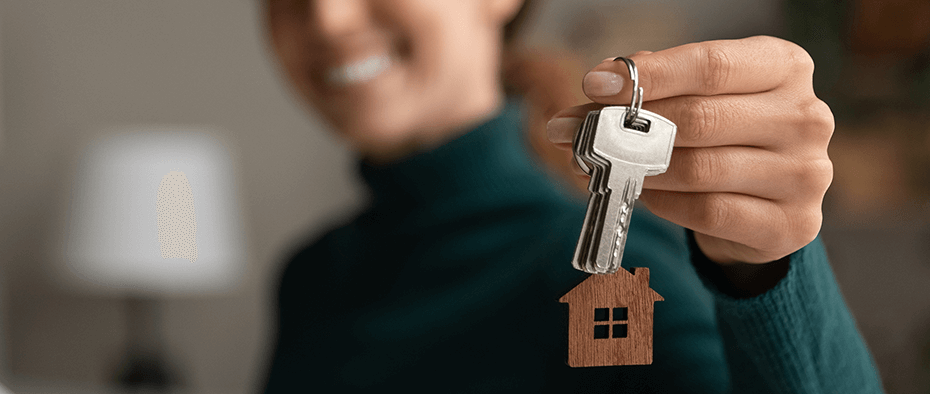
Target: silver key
<point>632,155</point>
<point>617,147</point>
<point>594,167</point>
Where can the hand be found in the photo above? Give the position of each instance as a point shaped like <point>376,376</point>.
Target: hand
<point>750,167</point>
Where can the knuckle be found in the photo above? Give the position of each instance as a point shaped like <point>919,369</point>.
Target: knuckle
<point>819,119</point>
<point>806,227</point>
<point>795,55</point>
<point>798,57</point>
<point>810,179</point>
<point>821,175</point>
<point>703,170</point>
<point>717,68</point>
<point>699,120</point>
<point>716,213</point>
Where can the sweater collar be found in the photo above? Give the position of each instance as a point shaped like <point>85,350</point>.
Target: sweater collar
<point>487,159</point>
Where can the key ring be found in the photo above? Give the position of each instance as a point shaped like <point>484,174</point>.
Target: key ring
<point>637,102</point>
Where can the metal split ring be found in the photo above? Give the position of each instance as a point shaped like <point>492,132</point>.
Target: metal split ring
<point>637,102</point>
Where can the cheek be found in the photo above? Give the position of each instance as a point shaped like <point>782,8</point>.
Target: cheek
<point>444,59</point>
<point>422,44</point>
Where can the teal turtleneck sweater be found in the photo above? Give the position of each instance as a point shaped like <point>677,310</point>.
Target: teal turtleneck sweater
<point>449,283</point>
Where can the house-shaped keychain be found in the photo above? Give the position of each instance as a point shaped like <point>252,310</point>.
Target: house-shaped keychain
<point>610,319</point>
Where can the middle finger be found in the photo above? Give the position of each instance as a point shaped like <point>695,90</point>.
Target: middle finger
<point>757,120</point>
<point>731,169</point>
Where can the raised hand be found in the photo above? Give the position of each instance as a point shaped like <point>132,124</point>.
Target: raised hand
<point>750,165</point>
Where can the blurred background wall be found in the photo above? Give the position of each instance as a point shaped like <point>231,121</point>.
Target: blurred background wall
<point>4,367</point>
<point>73,68</point>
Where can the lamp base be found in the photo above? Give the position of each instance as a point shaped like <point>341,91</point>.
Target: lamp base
<point>141,370</point>
<point>144,368</point>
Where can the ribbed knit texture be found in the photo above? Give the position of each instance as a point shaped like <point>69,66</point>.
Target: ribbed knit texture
<point>786,339</point>
<point>449,281</point>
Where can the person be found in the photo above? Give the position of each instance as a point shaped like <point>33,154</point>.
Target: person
<point>449,280</point>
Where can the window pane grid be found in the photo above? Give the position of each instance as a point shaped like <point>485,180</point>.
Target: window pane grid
<point>616,330</point>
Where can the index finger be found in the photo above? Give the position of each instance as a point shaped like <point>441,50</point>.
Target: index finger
<point>749,65</point>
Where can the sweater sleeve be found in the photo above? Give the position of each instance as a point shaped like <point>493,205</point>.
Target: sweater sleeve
<point>798,337</point>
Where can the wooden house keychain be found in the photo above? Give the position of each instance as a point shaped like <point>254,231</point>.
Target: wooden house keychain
<point>610,312</point>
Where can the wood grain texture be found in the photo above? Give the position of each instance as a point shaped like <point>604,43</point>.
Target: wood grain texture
<point>623,289</point>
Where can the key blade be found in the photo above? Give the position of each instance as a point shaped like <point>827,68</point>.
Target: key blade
<point>625,157</point>
<point>579,260</point>
<point>617,211</point>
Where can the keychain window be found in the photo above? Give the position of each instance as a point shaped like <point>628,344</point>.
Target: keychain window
<point>602,331</point>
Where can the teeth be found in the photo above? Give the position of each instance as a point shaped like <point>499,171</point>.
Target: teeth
<point>360,71</point>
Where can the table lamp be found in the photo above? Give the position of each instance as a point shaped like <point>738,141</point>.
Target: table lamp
<point>153,213</point>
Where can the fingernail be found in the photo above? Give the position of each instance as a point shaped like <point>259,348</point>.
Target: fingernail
<point>602,83</point>
<point>562,130</point>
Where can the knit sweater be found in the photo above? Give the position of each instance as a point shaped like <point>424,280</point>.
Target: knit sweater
<point>449,283</point>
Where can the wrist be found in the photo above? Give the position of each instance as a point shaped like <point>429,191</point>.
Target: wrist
<point>738,279</point>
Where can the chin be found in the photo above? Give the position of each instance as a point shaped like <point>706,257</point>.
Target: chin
<point>368,133</point>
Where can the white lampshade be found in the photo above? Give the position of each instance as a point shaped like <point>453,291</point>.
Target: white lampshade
<point>153,211</point>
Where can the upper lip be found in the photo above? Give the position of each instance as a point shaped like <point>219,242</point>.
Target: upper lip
<point>337,53</point>
<point>351,60</point>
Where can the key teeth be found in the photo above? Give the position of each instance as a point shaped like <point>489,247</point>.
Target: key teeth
<point>622,225</point>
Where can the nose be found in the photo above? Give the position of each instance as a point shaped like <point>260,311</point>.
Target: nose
<point>334,18</point>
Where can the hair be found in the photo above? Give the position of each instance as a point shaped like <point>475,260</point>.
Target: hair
<point>548,82</point>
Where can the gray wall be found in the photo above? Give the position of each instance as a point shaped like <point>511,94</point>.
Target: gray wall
<point>72,68</point>
<point>4,366</point>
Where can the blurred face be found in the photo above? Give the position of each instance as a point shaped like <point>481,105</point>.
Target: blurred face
<point>393,75</point>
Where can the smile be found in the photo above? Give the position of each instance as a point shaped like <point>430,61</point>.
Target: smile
<point>358,72</point>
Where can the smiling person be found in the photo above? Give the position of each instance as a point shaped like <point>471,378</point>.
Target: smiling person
<point>448,282</point>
